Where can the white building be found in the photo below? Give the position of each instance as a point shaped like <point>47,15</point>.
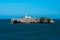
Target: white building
<point>27,16</point>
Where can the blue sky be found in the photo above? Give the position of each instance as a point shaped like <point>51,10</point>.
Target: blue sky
<point>34,8</point>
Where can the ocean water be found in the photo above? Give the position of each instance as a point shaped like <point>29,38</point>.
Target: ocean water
<point>29,31</point>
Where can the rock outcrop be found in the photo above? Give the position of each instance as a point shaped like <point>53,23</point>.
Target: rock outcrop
<point>46,20</point>
<point>32,20</point>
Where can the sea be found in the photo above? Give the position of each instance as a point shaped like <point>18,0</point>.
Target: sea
<point>29,31</point>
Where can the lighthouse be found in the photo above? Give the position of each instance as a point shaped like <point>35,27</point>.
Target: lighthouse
<point>26,16</point>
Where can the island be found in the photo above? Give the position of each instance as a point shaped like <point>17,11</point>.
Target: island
<point>28,19</point>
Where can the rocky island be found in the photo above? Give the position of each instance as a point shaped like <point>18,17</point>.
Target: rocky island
<point>28,19</point>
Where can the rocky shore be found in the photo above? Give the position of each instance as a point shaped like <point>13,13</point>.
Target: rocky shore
<point>31,20</point>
